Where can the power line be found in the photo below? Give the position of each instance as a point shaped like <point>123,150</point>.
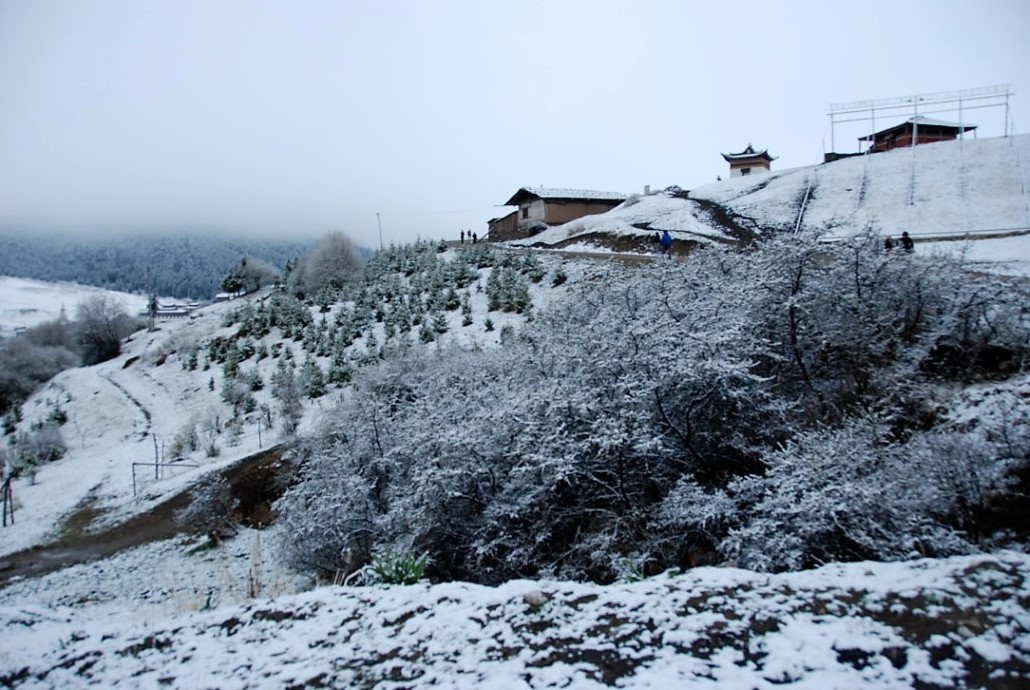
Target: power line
<point>441,213</point>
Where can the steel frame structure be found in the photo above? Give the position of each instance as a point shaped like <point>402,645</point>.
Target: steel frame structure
<point>921,104</point>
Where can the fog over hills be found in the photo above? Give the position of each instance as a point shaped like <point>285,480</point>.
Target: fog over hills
<point>181,265</point>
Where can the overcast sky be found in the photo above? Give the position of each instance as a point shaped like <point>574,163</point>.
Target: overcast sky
<point>294,118</point>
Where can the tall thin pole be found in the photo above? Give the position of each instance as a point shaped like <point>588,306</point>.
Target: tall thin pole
<point>1007,94</point>
<point>961,127</point>
<point>378,220</point>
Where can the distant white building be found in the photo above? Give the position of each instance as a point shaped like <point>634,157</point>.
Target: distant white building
<point>748,161</point>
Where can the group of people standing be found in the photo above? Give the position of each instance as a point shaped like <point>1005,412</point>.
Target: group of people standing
<point>472,237</point>
<point>664,239</point>
<point>906,243</point>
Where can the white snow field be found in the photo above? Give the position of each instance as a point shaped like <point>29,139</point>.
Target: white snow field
<point>25,303</point>
<point>188,613</point>
<point>835,627</point>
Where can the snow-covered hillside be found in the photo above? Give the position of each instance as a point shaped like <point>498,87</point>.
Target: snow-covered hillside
<point>932,190</point>
<point>938,193</point>
<point>130,409</point>
<point>190,611</point>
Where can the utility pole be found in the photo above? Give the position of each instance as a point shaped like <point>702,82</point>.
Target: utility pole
<point>151,302</point>
<point>380,222</point>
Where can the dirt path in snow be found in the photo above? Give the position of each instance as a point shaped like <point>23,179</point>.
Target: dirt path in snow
<point>158,523</point>
<point>134,401</point>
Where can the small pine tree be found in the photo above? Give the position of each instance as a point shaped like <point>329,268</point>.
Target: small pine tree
<point>313,379</point>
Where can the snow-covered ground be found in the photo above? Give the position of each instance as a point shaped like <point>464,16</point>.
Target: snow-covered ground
<point>140,618</point>
<point>188,613</point>
<point>130,409</point>
<point>936,192</point>
<point>25,303</point>
<point>136,621</point>
<point>943,189</point>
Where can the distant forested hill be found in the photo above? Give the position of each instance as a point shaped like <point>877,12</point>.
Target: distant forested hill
<point>184,266</point>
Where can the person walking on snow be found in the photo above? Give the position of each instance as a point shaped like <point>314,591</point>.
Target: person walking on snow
<point>906,242</point>
<point>666,241</point>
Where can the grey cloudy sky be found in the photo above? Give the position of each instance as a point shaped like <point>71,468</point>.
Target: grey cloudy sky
<point>294,118</point>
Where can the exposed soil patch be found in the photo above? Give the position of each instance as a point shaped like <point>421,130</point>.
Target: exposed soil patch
<point>253,481</point>
<point>77,523</point>
<point>622,244</point>
<point>733,223</point>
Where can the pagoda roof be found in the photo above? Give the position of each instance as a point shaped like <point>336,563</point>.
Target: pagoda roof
<point>557,194</point>
<point>921,121</point>
<point>748,154</point>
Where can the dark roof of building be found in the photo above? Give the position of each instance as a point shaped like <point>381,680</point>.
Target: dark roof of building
<point>552,194</point>
<point>749,153</point>
<point>921,121</point>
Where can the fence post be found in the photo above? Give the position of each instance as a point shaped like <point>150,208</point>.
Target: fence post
<point>8,500</point>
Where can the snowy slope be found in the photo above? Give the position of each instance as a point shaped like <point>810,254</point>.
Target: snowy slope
<point>130,409</point>
<point>935,192</point>
<point>930,190</point>
<point>662,211</point>
<point>959,622</point>
<point>136,619</point>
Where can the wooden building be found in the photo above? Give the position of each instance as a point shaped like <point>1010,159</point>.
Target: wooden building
<point>748,161</point>
<point>913,131</point>
<point>540,207</point>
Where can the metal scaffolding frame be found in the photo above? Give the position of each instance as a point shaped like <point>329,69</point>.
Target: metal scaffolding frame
<point>921,104</point>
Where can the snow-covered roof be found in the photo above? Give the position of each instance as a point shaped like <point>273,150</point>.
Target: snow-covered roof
<point>748,153</point>
<point>921,121</point>
<point>554,194</point>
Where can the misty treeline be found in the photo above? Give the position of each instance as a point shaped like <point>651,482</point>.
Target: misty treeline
<point>187,266</point>
<point>782,407</point>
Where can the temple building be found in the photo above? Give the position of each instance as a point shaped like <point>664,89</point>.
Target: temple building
<point>748,161</point>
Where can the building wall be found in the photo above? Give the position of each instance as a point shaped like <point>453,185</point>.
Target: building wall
<point>756,166</point>
<point>504,229</point>
<point>532,212</point>
<point>558,212</point>
<point>530,216</point>
<point>927,136</point>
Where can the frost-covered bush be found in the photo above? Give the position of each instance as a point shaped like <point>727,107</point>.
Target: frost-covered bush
<point>665,412</point>
<point>854,493</point>
<point>100,325</point>
<point>32,449</point>
<point>185,441</point>
<point>836,495</point>
<point>331,264</point>
<point>288,390</point>
<point>25,363</point>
